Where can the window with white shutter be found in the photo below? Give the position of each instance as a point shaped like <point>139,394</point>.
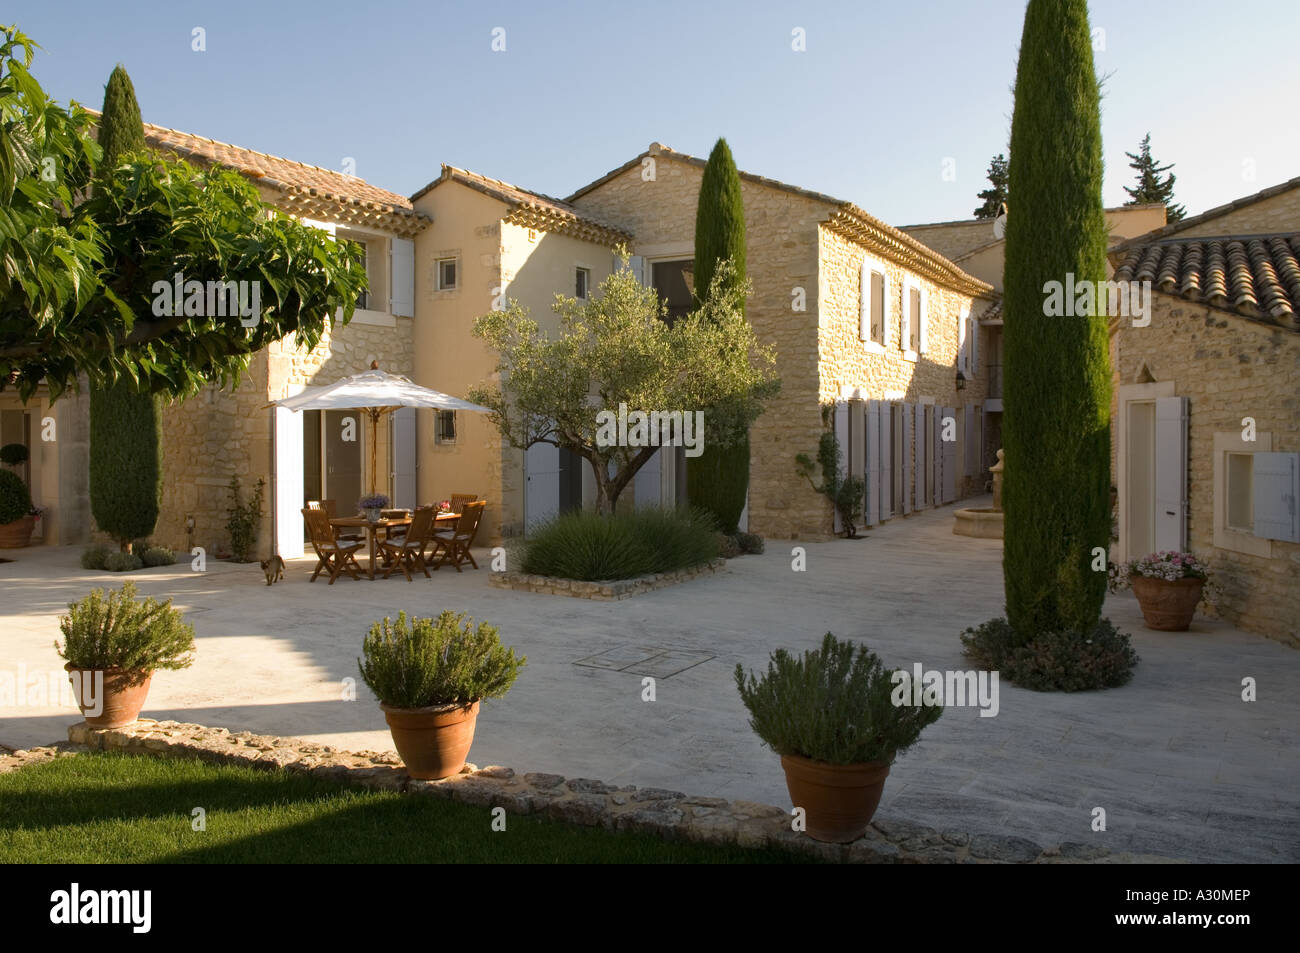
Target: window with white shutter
<point>963,322</point>
<point>925,321</point>
<point>873,308</point>
<point>1274,493</point>
<point>911,338</point>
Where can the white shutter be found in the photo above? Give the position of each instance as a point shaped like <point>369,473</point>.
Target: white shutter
<point>1171,473</point>
<point>936,453</point>
<point>884,318</point>
<point>968,442</point>
<point>289,499</point>
<point>871,461</point>
<point>404,440</point>
<point>401,296</point>
<point>921,501</point>
<point>886,462</point>
<point>949,456</point>
<point>906,341</point>
<point>974,346</point>
<point>647,487</point>
<point>1276,489</point>
<point>925,321</point>
<point>635,264</point>
<point>864,305</point>
<point>842,435</point>
<point>905,492</point>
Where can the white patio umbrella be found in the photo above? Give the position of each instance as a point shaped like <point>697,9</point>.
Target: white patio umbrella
<point>375,393</point>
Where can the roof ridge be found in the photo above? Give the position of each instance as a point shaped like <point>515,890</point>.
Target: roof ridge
<point>1218,211</point>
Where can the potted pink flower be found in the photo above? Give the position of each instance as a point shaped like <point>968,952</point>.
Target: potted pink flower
<point>1169,585</point>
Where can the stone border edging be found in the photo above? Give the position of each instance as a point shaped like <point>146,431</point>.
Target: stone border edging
<point>580,801</point>
<point>605,590</point>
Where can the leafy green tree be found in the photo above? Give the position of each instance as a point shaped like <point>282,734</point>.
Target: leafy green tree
<point>76,294</point>
<point>1056,424</point>
<point>718,479</point>
<point>616,349</point>
<point>1151,186</point>
<point>995,197</point>
<point>126,460</point>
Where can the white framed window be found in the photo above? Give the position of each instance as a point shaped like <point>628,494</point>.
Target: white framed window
<point>913,340</point>
<point>873,306</point>
<point>1234,492</point>
<point>444,426</point>
<point>447,274</point>
<point>1238,493</point>
<point>581,283</point>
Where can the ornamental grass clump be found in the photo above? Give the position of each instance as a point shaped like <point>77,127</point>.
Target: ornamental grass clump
<point>835,704</point>
<point>119,631</point>
<point>429,662</point>
<point>589,546</point>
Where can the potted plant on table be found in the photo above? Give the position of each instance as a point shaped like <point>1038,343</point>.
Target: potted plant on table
<point>113,645</point>
<point>429,676</point>
<point>373,506</point>
<point>17,514</point>
<point>1169,585</point>
<point>832,718</point>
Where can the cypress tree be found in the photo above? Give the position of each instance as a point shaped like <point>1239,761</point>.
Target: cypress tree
<point>718,479</point>
<point>125,424</point>
<point>1057,390</point>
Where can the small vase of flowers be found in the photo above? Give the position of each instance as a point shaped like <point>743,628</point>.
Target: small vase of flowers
<point>373,506</point>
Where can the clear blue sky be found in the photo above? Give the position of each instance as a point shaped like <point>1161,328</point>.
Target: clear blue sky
<point>883,94</point>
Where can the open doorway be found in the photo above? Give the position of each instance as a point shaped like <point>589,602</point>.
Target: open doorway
<point>331,457</point>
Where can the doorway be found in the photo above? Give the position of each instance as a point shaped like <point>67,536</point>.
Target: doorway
<point>331,457</point>
<point>1140,498</point>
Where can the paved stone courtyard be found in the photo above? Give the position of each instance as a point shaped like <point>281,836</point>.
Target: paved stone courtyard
<point>1181,766</point>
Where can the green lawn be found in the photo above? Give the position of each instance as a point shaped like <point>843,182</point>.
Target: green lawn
<point>112,808</point>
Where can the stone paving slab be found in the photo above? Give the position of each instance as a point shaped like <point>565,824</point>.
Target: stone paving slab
<point>1176,740</point>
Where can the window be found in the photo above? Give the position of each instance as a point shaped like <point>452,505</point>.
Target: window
<point>913,339</point>
<point>446,274</point>
<point>363,299</point>
<point>582,281</point>
<point>1239,493</point>
<point>873,307</point>
<point>444,426</point>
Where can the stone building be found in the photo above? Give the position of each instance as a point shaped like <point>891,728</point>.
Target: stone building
<point>1206,421</point>
<point>862,317</point>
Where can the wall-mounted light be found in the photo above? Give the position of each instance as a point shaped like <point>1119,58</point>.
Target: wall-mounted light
<point>961,381</point>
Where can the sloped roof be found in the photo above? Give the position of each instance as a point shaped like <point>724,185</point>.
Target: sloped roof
<point>844,217</point>
<point>535,210</point>
<point>1256,276</point>
<point>307,190</point>
<point>1197,220</point>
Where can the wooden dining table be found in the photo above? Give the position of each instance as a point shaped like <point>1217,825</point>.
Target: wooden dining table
<point>385,523</point>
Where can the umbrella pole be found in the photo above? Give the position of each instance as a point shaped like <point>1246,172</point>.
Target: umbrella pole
<point>374,447</point>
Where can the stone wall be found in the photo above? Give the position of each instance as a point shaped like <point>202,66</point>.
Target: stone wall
<point>584,802</point>
<point>1278,213</point>
<point>216,434</point>
<point>605,591</point>
<point>1230,368</point>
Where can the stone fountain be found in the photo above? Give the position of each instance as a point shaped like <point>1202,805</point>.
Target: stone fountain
<point>984,522</point>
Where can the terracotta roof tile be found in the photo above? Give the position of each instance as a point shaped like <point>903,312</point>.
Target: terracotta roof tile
<point>535,210</point>
<point>1256,276</point>
<point>310,190</point>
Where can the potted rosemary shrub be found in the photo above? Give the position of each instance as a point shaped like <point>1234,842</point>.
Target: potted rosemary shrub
<point>113,645</point>
<point>1169,585</point>
<point>429,676</point>
<point>831,717</point>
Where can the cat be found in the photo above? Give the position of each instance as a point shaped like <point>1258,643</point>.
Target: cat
<point>274,569</point>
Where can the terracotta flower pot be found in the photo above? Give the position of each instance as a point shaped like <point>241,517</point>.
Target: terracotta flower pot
<point>1167,605</point>
<point>839,800</point>
<point>17,534</point>
<point>119,696</point>
<point>433,742</point>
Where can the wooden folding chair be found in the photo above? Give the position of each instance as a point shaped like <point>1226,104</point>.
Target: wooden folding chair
<point>332,508</point>
<point>455,545</point>
<point>458,501</point>
<point>407,553</point>
<point>334,555</point>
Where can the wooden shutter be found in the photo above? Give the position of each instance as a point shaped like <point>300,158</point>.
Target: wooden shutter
<point>1171,473</point>
<point>936,454</point>
<point>905,492</point>
<point>921,470</point>
<point>949,457</point>
<point>404,440</point>
<point>1276,488</point>
<point>962,344</point>
<point>925,323</point>
<point>842,435</point>
<point>871,460</point>
<point>968,442</point>
<point>886,463</point>
<point>905,342</point>
<point>864,304</point>
<point>974,345</point>
<point>401,292</point>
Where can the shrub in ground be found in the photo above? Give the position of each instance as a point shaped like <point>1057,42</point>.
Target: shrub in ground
<point>750,543</point>
<point>587,546</point>
<point>1053,661</point>
<point>93,557</point>
<point>123,562</point>
<point>158,556</point>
